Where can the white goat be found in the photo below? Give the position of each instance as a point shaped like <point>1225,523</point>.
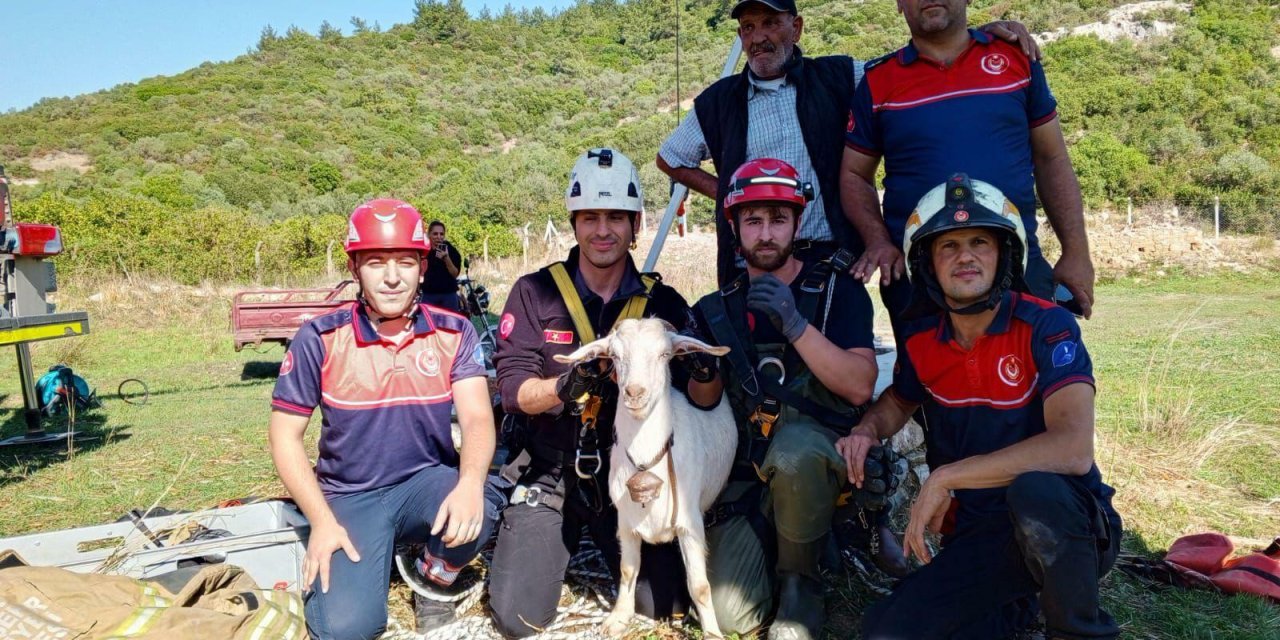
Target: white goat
<point>688,449</point>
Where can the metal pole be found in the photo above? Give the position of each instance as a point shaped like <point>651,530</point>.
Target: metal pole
<point>679,193</point>
<point>1130,199</point>
<point>1217,218</point>
<point>30,403</point>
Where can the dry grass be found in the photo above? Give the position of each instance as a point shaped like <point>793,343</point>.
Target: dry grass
<point>1159,466</point>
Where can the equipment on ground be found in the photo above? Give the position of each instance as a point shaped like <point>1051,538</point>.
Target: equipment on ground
<point>26,315</point>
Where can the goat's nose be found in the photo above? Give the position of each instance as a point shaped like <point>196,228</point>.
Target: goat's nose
<point>634,391</point>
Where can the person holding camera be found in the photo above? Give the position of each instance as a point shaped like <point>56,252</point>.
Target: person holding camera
<point>440,286</point>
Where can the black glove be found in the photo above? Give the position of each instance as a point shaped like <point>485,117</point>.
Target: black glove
<point>580,379</point>
<point>884,471</point>
<point>768,295</point>
<point>700,366</point>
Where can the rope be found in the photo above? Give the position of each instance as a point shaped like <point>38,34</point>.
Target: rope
<point>677,7</point>
<point>146,393</point>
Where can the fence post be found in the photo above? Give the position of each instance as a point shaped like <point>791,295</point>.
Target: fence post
<point>524,248</point>
<point>486,251</point>
<point>328,261</point>
<point>257,261</point>
<point>1130,202</point>
<point>1217,218</point>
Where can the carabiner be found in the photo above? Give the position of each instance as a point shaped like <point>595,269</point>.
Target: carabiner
<point>594,458</point>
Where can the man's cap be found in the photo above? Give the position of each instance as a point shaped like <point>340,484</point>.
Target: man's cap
<point>781,6</point>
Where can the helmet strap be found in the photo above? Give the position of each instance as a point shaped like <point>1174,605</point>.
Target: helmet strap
<point>1003,281</point>
<point>377,317</point>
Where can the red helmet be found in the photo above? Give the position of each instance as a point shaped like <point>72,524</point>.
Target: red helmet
<point>767,180</point>
<point>386,224</point>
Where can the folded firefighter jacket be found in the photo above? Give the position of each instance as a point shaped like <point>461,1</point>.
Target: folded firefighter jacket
<point>208,601</point>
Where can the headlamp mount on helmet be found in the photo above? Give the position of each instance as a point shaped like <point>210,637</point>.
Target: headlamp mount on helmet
<point>606,179</point>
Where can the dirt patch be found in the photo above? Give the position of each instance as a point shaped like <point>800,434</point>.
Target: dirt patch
<point>1127,21</point>
<point>685,106</point>
<point>1275,52</point>
<point>78,162</point>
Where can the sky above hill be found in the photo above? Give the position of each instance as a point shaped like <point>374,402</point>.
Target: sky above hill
<point>54,48</point>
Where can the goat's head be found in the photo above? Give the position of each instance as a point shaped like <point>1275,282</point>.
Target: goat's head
<point>640,350</point>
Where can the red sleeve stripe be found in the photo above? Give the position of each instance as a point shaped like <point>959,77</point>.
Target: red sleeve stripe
<point>1045,119</point>
<point>863,150</point>
<point>289,407</point>
<point>1069,380</point>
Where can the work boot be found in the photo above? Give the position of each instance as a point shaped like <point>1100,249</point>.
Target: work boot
<point>855,532</point>
<point>429,615</point>
<point>888,557</point>
<point>802,609</point>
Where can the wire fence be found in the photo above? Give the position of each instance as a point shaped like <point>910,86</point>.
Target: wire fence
<point>1232,214</point>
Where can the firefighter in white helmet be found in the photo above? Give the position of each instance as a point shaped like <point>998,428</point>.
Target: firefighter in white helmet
<point>560,423</point>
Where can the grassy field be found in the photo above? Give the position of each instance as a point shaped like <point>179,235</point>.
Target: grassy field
<point>1188,370</point>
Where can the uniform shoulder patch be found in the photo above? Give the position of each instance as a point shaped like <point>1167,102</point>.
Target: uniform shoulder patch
<point>1065,353</point>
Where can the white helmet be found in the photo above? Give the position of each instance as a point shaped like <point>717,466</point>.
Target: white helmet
<point>604,179</point>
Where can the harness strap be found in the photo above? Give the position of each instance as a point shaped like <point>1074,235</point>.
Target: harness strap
<point>633,310</point>
<point>569,294</point>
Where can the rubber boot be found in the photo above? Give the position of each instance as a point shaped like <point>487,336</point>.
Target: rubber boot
<point>801,603</point>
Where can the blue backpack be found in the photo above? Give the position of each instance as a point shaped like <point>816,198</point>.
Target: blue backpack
<point>52,390</point>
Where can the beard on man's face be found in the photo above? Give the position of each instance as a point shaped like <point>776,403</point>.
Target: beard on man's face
<point>767,255</point>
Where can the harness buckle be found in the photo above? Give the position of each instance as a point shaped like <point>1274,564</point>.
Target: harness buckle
<point>593,458</point>
<point>766,414</point>
<point>526,495</point>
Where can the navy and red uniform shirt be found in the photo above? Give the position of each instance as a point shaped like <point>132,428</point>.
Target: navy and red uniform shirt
<point>931,120</point>
<point>992,395</point>
<point>385,407</point>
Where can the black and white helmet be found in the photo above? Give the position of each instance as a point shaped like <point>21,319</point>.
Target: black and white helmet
<point>963,203</point>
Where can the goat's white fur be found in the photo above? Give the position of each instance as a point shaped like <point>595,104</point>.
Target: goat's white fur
<point>648,415</point>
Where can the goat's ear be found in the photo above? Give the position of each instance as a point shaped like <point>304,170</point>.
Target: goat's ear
<point>589,351</point>
<point>670,328</point>
<point>684,344</point>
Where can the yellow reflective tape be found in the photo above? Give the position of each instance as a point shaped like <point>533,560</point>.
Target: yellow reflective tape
<point>42,332</point>
<point>151,605</point>
<point>137,623</point>
<point>269,614</point>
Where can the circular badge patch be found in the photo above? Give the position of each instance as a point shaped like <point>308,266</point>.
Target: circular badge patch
<point>1010,370</point>
<point>428,362</point>
<point>961,216</point>
<point>506,325</point>
<point>995,63</point>
<point>287,364</point>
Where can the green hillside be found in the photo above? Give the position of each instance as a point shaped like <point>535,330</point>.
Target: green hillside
<point>478,120</point>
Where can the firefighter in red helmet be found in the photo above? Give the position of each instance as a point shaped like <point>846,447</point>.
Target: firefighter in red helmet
<point>800,370</point>
<point>386,373</point>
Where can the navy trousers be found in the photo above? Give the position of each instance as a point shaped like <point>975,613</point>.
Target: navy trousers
<point>376,521</point>
<point>1053,546</point>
